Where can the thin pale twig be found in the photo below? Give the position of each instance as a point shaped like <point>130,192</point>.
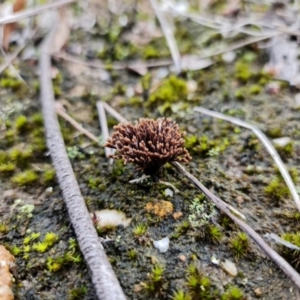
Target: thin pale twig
<point>114,113</point>
<point>281,262</point>
<point>168,32</point>
<point>284,172</point>
<point>33,11</point>
<point>279,240</point>
<point>103,125</point>
<point>60,111</point>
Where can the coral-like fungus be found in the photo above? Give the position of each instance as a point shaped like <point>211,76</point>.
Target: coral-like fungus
<point>149,144</point>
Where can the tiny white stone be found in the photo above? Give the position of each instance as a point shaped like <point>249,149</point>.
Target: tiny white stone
<point>214,260</point>
<point>169,192</point>
<point>283,141</point>
<point>49,190</point>
<point>111,217</point>
<point>229,267</point>
<point>162,245</point>
<point>229,56</point>
<point>297,100</point>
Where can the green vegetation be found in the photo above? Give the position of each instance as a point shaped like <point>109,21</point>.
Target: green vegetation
<point>239,244</point>
<point>140,230</point>
<point>25,178</point>
<point>153,286</point>
<point>233,293</point>
<point>181,295</point>
<point>277,190</point>
<point>214,233</point>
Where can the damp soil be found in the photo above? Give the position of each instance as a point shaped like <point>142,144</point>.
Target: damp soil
<point>229,160</point>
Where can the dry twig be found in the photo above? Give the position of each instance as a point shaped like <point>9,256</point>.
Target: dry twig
<point>284,172</point>
<point>106,284</point>
<point>281,263</point>
<point>61,111</point>
<point>168,32</point>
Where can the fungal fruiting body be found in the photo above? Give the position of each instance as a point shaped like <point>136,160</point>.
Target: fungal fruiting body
<point>149,143</point>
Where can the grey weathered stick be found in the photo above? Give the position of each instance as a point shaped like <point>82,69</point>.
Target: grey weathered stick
<point>106,284</point>
<point>281,262</point>
<point>284,172</point>
<point>32,12</point>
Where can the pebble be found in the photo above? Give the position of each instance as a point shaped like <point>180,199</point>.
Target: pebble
<point>281,142</point>
<point>229,267</point>
<point>162,245</point>
<point>229,56</point>
<point>297,100</point>
<point>177,215</point>
<point>182,257</point>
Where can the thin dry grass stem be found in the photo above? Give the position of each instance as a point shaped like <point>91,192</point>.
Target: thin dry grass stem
<point>149,144</point>
<point>104,127</point>
<point>61,111</point>
<point>115,65</point>
<point>168,32</point>
<point>114,113</point>
<point>16,17</point>
<point>270,148</point>
<point>105,282</point>
<point>279,240</point>
<point>281,263</point>
<point>10,58</point>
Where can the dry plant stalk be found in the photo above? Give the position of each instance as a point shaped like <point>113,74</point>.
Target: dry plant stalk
<point>149,144</point>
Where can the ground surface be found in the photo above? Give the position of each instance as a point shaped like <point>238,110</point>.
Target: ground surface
<point>227,159</point>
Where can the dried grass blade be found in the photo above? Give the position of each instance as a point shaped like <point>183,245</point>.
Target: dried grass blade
<point>281,262</point>
<point>285,174</point>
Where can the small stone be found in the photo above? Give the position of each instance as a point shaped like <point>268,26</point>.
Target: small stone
<point>162,245</point>
<point>281,142</point>
<point>112,217</point>
<point>229,56</point>
<point>182,257</point>
<point>177,215</point>
<point>258,292</point>
<point>191,86</point>
<point>239,199</point>
<point>229,267</point>
<point>214,260</point>
<point>169,192</point>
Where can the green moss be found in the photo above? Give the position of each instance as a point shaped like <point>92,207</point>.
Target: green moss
<point>150,52</point>
<point>15,250</point>
<point>37,119</point>
<point>50,238</point>
<point>233,293</point>
<point>154,284</point>
<point>140,230</point>
<point>181,295</point>
<point>7,168</point>
<point>214,233</point>
<point>239,244</point>
<point>119,89</point>
<point>25,178</point>
<point>20,157</point>
<point>285,151</point>
<point>199,285</point>
<point>4,227</point>
<point>242,71</point>
<point>171,90</point>
<point>10,83</point>
<point>77,293</point>
<point>255,89</point>
<point>40,247</point>
<point>240,94</point>
<point>21,123</point>
<point>132,254</point>
<point>10,136</point>
<point>48,176</point>
<point>274,132</point>
<point>277,189</point>
<point>3,157</point>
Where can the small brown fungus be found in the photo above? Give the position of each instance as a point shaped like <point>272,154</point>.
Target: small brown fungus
<point>149,143</point>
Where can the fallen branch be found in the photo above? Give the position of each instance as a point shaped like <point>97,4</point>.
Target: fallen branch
<point>281,262</point>
<point>105,282</point>
<point>285,174</point>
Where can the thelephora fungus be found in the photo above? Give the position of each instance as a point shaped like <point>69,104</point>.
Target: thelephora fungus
<point>149,143</point>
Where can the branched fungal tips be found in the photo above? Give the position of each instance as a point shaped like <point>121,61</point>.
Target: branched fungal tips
<point>149,143</point>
